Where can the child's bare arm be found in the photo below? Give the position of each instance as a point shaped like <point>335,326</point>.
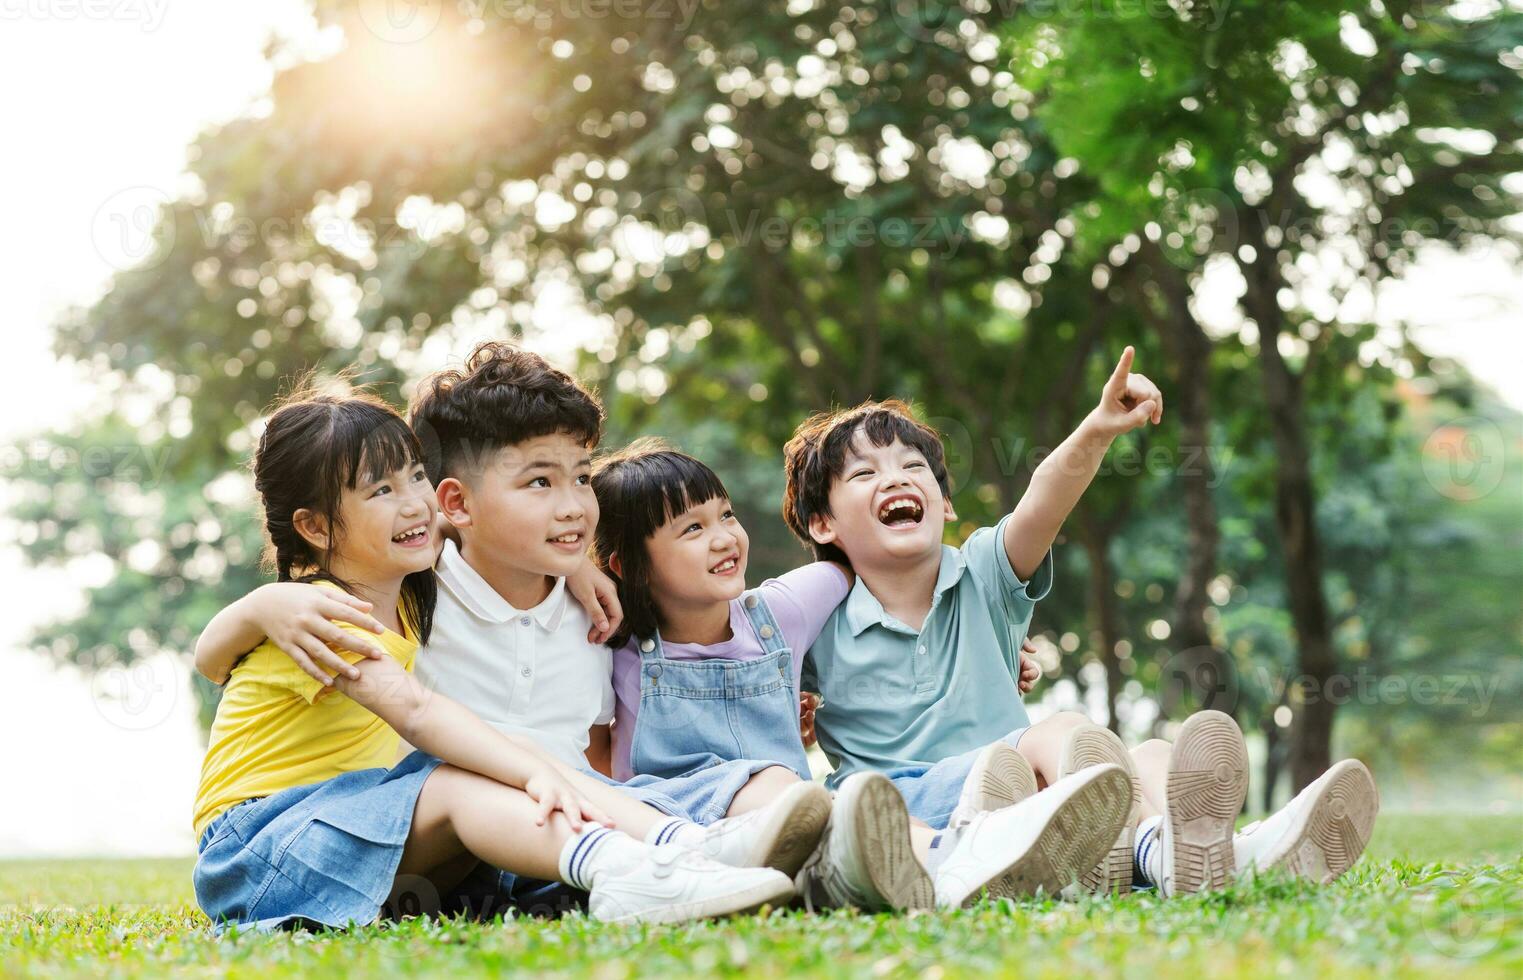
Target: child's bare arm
<point>444,728</point>
<point>298,617</point>
<point>1128,402</point>
<point>600,749</point>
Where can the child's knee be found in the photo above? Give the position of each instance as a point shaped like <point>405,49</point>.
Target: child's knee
<point>1153,748</point>
<point>1062,722</point>
<point>774,776</point>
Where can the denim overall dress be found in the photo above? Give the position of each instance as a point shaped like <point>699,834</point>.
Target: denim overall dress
<point>696,714</point>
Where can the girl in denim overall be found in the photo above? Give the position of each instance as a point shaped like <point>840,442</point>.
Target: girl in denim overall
<point>706,671</point>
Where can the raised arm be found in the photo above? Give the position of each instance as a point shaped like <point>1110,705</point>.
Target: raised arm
<point>1128,402</point>
<point>298,617</point>
<point>444,728</point>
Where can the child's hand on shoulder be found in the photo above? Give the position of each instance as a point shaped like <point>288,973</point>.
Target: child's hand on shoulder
<point>1031,671</point>
<point>599,595</point>
<point>299,619</point>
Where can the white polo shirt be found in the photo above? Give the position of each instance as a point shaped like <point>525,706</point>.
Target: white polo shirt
<point>526,672</point>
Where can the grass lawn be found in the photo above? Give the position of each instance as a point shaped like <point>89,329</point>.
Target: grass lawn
<point>1433,895</point>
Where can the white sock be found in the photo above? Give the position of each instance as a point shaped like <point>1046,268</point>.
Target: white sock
<point>1147,850</point>
<point>942,846</point>
<point>675,830</point>
<point>597,851</point>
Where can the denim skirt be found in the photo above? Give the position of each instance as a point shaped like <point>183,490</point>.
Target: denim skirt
<point>702,796</point>
<point>325,854</point>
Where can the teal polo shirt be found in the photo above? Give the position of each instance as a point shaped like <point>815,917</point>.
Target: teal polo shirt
<point>895,697</point>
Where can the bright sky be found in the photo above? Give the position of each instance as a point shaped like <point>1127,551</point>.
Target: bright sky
<point>98,106</point>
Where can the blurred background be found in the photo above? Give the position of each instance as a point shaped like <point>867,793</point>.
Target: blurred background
<point>725,216</point>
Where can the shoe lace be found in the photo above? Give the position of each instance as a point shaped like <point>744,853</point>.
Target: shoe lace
<point>822,880</point>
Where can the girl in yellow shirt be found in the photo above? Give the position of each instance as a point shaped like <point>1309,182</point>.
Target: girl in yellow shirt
<point>299,819</point>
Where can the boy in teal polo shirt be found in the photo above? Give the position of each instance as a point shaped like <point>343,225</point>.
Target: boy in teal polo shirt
<point>920,668</point>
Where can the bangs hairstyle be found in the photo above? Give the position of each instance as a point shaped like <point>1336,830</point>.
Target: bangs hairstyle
<point>639,489</point>
<point>504,396</point>
<point>314,447</point>
<point>816,457</point>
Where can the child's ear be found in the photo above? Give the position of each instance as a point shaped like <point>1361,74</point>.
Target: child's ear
<point>453,503</point>
<point>822,529</point>
<point>946,503</point>
<point>615,565</point>
<point>311,526</point>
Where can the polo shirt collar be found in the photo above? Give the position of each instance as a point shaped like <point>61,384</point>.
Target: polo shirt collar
<point>863,608</point>
<point>483,601</point>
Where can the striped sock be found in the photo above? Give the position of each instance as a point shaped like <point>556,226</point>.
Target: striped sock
<point>595,850</point>
<point>942,846</point>
<point>675,830</point>
<point>1147,851</point>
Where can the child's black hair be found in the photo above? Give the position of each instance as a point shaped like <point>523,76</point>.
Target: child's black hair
<point>639,489</point>
<point>313,448</point>
<point>816,456</point>
<point>504,396</point>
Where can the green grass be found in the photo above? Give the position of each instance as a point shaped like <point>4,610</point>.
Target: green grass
<point>1433,895</point>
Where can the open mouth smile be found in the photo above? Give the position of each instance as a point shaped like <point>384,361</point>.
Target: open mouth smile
<point>901,511</point>
<point>413,537</point>
<point>728,566</point>
<point>570,541</point>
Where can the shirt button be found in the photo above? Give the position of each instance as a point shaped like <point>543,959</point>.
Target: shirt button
<point>524,621</point>
<point>922,649</point>
<point>526,672</point>
<point>766,632</point>
<point>751,602</point>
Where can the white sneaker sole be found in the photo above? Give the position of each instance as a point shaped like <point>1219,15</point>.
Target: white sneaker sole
<point>1000,777</point>
<point>793,828</point>
<point>880,826</point>
<point>1331,834</point>
<point>775,892</point>
<point>1091,745</point>
<point>1207,784</point>
<point>1074,837</point>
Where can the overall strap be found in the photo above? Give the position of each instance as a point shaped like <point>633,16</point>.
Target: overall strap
<point>763,622</point>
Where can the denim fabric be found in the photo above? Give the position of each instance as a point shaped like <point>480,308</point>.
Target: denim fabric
<point>323,854</point>
<point>695,714</point>
<point>931,792</point>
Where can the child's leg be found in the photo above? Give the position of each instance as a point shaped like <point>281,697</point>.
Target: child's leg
<point>1042,744</point>
<point>460,813</point>
<point>1151,759</point>
<point>763,788</point>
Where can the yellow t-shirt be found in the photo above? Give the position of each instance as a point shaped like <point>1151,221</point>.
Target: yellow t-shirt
<point>277,727</point>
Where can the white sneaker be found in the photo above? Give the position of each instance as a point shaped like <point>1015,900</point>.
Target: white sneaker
<point>1091,745</point>
<point>1207,784</point>
<point>865,859</point>
<point>1043,843</point>
<point>1319,834</point>
<point>780,835</point>
<point>672,884</point>
<point>1000,777</point>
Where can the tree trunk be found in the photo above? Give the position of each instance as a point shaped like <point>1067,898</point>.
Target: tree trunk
<point>1189,400</point>
<point>1295,517</point>
<point>1102,605</point>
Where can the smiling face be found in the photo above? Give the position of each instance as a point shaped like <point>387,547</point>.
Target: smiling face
<point>886,507</point>
<point>386,527</point>
<point>530,507</point>
<point>698,558</point>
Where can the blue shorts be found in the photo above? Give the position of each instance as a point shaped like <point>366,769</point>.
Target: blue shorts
<point>327,854</point>
<point>931,792</point>
<point>702,796</point>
